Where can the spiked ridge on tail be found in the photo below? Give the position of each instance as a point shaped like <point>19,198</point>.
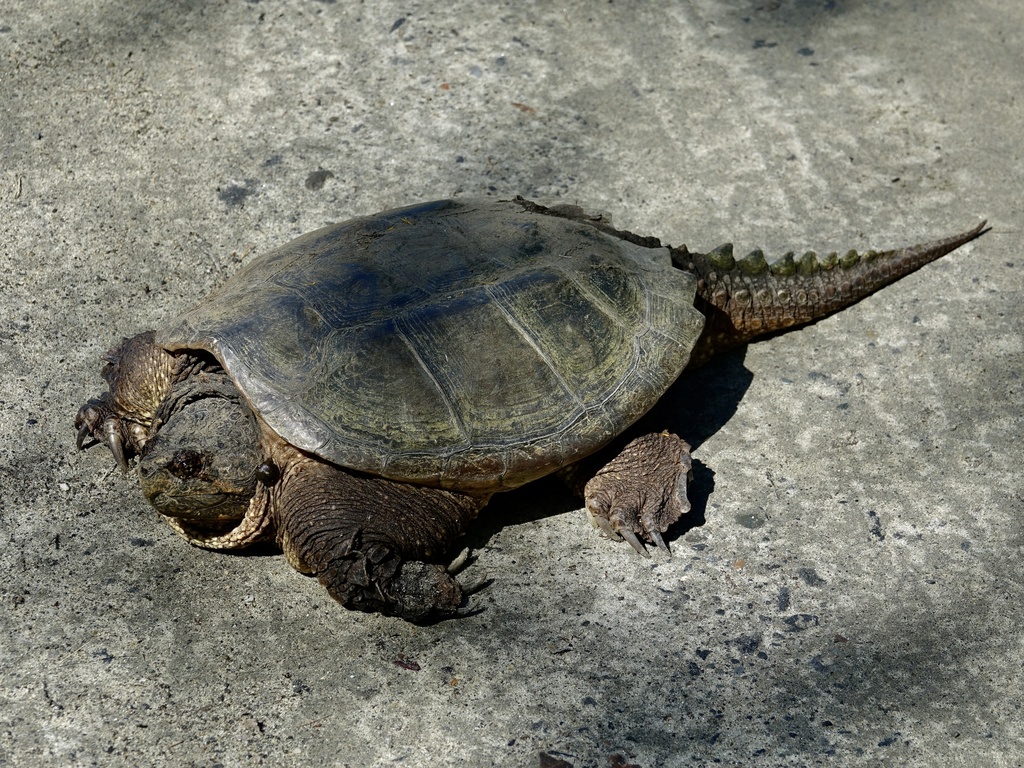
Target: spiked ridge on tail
<point>747,298</point>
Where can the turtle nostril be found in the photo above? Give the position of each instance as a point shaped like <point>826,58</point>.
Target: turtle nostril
<point>187,464</point>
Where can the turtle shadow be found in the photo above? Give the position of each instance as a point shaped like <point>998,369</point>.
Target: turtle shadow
<point>701,401</point>
<point>695,407</point>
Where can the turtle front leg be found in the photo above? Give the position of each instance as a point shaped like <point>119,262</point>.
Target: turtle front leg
<point>375,544</point>
<point>139,374</point>
<point>642,491</point>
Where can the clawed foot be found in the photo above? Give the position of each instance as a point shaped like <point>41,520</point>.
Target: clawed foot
<point>377,580</point>
<point>425,592</point>
<point>97,422</point>
<point>138,374</point>
<point>642,491</point>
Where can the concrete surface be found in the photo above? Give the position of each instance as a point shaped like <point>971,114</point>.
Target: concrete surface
<point>850,590</point>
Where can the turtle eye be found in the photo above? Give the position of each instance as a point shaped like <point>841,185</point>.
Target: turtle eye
<point>267,473</point>
<point>187,464</point>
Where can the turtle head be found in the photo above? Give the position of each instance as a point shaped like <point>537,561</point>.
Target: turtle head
<point>204,462</point>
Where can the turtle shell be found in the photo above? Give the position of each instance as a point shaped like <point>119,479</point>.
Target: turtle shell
<point>465,344</point>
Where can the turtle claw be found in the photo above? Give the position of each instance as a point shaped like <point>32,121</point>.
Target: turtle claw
<point>642,491</point>
<point>115,445</point>
<point>599,521</point>
<point>656,537</point>
<point>460,562</point>
<point>83,434</point>
<point>88,421</point>
<point>633,541</point>
<point>477,585</point>
<point>620,533</point>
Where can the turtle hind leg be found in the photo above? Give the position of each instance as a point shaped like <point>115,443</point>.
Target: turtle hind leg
<point>642,491</point>
<point>375,544</point>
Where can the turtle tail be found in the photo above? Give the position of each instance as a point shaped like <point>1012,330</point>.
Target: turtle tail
<point>743,299</point>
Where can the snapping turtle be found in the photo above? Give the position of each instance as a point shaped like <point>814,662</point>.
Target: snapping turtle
<point>360,393</point>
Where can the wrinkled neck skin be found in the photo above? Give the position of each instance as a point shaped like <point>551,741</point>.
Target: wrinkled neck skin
<point>202,466</point>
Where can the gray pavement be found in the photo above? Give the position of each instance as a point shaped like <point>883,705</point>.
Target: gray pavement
<point>850,590</point>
